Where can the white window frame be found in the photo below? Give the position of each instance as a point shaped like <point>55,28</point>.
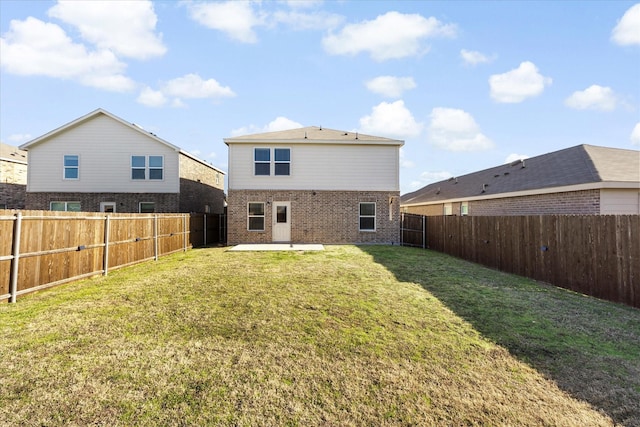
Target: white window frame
<point>65,167</point>
<point>261,162</point>
<point>360,217</point>
<point>464,208</point>
<point>263,216</point>
<point>147,168</point>
<point>272,162</point>
<point>146,203</point>
<point>281,162</point>
<point>66,205</point>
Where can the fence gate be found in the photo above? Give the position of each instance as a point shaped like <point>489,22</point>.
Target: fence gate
<point>413,230</point>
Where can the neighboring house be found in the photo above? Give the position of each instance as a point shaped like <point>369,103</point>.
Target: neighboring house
<point>313,185</point>
<point>585,180</point>
<point>100,162</point>
<point>13,177</point>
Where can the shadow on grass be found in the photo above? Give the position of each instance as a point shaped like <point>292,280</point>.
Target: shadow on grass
<point>589,347</point>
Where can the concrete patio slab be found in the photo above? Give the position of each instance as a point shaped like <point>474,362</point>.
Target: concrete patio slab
<point>277,247</point>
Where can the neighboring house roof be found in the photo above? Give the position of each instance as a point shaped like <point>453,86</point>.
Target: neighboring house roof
<point>579,167</point>
<point>12,154</point>
<point>313,134</point>
<point>100,111</point>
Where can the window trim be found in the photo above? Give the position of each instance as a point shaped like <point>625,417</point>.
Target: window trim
<point>360,217</point>
<point>272,162</point>
<point>277,162</point>
<point>65,167</point>
<point>147,168</point>
<point>261,162</point>
<point>263,216</point>
<point>464,208</point>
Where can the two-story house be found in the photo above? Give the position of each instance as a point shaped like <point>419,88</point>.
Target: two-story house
<point>313,185</point>
<point>13,177</point>
<point>100,162</point>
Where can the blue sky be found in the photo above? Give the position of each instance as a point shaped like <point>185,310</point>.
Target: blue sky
<point>467,85</point>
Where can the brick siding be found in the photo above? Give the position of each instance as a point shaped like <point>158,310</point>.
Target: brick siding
<point>584,202</point>
<point>90,202</point>
<point>200,187</point>
<point>13,184</point>
<point>316,216</point>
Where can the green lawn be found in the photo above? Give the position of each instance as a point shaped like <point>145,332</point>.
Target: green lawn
<point>373,335</point>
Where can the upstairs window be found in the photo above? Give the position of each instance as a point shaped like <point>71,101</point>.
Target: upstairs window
<point>282,158</point>
<point>156,167</point>
<point>138,167</point>
<point>71,166</point>
<point>147,167</point>
<point>262,161</point>
<point>263,158</point>
<point>367,216</point>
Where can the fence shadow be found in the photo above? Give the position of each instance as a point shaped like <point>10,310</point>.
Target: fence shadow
<point>577,348</point>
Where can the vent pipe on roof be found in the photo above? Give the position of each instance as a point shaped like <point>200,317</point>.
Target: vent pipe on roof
<point>356,135</point>
<point>305,135</point>
<point>523,165</point>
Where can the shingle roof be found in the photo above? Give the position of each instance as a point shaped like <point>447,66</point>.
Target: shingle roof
<point>11,153</point>
<point>582,164</point>
<point>313,134</point>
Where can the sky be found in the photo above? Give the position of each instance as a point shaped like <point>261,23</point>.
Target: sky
<point>468,85</point>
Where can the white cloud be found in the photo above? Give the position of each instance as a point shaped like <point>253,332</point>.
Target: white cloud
<point>390,86</point>
<point>193,86</point>
<point>33,47</point>
<point>593,98</point>
<point>19,137</point>
<point>389,36</point>
<point>308,21</point>
<point>456,130</point>
<point>472,57</point>
<point>125,27</point>
<point>392,119</point>
<point>152,98</point>
<point>518,84</point>
<point>278,124</point>
<point>635,134</point>
<point>627,32</point>
<point>237,19</point>
<point>513,157</point>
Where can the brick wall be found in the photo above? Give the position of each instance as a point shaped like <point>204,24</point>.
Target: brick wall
<point>13,184</point>
<point>90,202</point>
<point>585,202</point>
<point>316,216</point>
<point>200,187</point>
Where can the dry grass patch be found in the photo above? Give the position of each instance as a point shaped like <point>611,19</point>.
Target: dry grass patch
<point>218,338</point>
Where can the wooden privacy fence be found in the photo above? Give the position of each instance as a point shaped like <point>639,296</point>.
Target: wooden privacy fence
<point>40,249</point>
<point>598,255</point>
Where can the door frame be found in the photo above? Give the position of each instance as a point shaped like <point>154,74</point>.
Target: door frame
<point>103,205</point>
<point>278,228</point>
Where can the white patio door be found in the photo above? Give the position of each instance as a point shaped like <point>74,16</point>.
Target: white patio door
<point>281,230</point>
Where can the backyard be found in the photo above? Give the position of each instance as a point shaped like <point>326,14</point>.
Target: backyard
<point>353,335</point>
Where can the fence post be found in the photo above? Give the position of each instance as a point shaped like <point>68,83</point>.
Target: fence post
<point>424,232</point>
<point>184,232</point>
<point>105,254</point>
<point>155,237</point>
<point>16,257</point>
<point>204,236</point>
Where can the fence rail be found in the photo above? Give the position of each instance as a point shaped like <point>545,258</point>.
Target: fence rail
<point>597,255</point>
<point>40,249</point>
